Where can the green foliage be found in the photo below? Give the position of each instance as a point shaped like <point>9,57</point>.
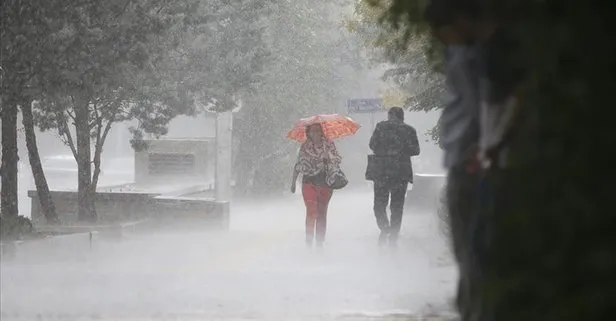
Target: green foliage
<point>137,61</point>
<point>26,26</point>
<point>144,60</point>
<point>403,16</point>
<point>24,47</point>
<point>413,55</point>
<point>148,61</point>
<point>15,227</point>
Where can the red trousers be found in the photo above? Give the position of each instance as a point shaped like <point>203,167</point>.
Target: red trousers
<point>316,198</point>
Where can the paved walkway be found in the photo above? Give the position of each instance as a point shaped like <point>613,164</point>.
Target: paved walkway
<point>261,269</point>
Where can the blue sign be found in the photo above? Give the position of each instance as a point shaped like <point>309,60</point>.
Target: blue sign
<point>364,106</point>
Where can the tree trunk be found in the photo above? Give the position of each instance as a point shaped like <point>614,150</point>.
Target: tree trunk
<point>42,189</point>
<point>85,193</point>
<point>101,137</point>
<point>97,166</point>
<point>9,168</point>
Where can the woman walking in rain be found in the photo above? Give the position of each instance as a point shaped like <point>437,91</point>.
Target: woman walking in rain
<point>315,155</point>
<point>319,164</point>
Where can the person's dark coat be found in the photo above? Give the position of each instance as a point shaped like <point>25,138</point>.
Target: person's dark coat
<point>393,143</point>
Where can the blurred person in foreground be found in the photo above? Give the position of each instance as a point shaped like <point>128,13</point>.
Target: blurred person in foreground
<point>393,144</point>
<point>315,155</point>
<point>453,22</point>
<point>474,128</point>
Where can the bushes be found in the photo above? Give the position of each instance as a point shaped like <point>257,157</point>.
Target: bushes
<point>15,227</point>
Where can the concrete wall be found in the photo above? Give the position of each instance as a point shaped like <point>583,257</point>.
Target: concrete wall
<point>110,207</point>
<point>201,149</point>
<point>118,207</point>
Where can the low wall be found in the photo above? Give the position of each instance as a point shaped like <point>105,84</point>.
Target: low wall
<point>426,191</point>
<point>111,207</point>
<point>118,207</point>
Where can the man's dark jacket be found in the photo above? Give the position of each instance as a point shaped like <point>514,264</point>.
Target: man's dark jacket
<point>393,143</point>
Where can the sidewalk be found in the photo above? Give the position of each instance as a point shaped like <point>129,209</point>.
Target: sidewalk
<point>261,269</point>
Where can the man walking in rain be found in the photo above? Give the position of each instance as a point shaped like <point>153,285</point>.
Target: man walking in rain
<point>393,143</point>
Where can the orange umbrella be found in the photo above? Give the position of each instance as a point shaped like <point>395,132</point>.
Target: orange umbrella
<point>334,126</point>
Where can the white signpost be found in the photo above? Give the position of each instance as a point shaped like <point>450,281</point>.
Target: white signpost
<point>222,176</point>
<point>224,158</point>
<point>365,106</point>
<point>224,138</point>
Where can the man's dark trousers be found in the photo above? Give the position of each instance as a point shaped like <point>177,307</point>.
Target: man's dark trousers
<point>462,197</point>
<point>383,189</point>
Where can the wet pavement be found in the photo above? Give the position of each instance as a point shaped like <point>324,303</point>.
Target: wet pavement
<point>260,269</point>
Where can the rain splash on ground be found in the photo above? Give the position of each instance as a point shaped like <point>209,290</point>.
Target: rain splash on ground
<point>260,269</point>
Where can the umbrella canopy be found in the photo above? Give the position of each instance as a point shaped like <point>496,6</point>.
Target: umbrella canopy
<point>334,126</point>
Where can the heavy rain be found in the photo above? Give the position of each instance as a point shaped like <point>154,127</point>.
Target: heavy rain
<point>301,160</point>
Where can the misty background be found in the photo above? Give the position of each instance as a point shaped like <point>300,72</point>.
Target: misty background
<point>270,62</point>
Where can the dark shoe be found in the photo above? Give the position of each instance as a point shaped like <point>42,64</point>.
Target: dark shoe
<point>383,238</point>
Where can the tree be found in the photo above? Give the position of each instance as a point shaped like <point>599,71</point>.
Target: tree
<point>24,43</point>
<point>40,181</point>
<point>310,69</point>
<point>143,60</point>
<point>25,28</point>
<point>413,58</point>
<point>10,158</point>
<point>85,51</point>
<point>8,170</point>
<point>550,254</point>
